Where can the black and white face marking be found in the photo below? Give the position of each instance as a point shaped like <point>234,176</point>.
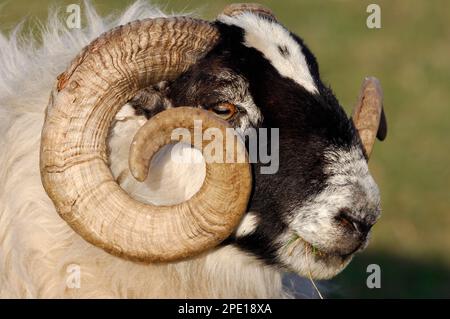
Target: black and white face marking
<point>332,225</point>
<point>316,212</point>
<point>277,46</point>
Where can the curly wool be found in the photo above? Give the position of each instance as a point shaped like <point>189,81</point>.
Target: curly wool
<point>37,248</point>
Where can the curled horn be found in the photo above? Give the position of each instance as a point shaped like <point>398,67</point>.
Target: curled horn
<point>74,153</point>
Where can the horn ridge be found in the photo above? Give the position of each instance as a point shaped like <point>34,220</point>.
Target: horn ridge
<point>74,157</point>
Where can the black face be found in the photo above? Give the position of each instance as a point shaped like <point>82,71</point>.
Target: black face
<point>310,125</point>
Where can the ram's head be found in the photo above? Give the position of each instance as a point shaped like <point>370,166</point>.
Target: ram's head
<point>311,216</point>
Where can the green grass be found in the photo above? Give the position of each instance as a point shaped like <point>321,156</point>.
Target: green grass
<point>410,54</point>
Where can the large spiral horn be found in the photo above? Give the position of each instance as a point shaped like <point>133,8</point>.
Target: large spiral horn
<point>74,155</point>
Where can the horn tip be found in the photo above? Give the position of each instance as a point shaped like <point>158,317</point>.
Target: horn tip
<point>372,82</point>
<point>138,173</point>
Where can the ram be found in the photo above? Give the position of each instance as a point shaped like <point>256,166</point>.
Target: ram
<point>70,204</point>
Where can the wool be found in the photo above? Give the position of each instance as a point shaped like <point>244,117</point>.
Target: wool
<point>38,248</point>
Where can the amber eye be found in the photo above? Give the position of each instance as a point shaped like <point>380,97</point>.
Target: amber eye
<point>224,110</point>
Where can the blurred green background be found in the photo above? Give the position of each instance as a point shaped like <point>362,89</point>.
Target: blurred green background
<point>410,54</point>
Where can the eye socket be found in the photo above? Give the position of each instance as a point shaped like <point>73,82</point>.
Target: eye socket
<point>224,110</point>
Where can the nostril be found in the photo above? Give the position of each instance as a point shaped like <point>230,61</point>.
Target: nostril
<point>347,221</point>
<point>362,227</point>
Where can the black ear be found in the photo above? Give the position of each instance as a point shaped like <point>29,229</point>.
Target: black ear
<point>382,128</point>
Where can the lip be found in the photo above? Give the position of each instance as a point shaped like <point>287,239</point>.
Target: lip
<point>316,252</point>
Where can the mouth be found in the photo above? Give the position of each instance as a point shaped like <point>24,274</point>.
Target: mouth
<point>308,260</point>
<point>296,241</point>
